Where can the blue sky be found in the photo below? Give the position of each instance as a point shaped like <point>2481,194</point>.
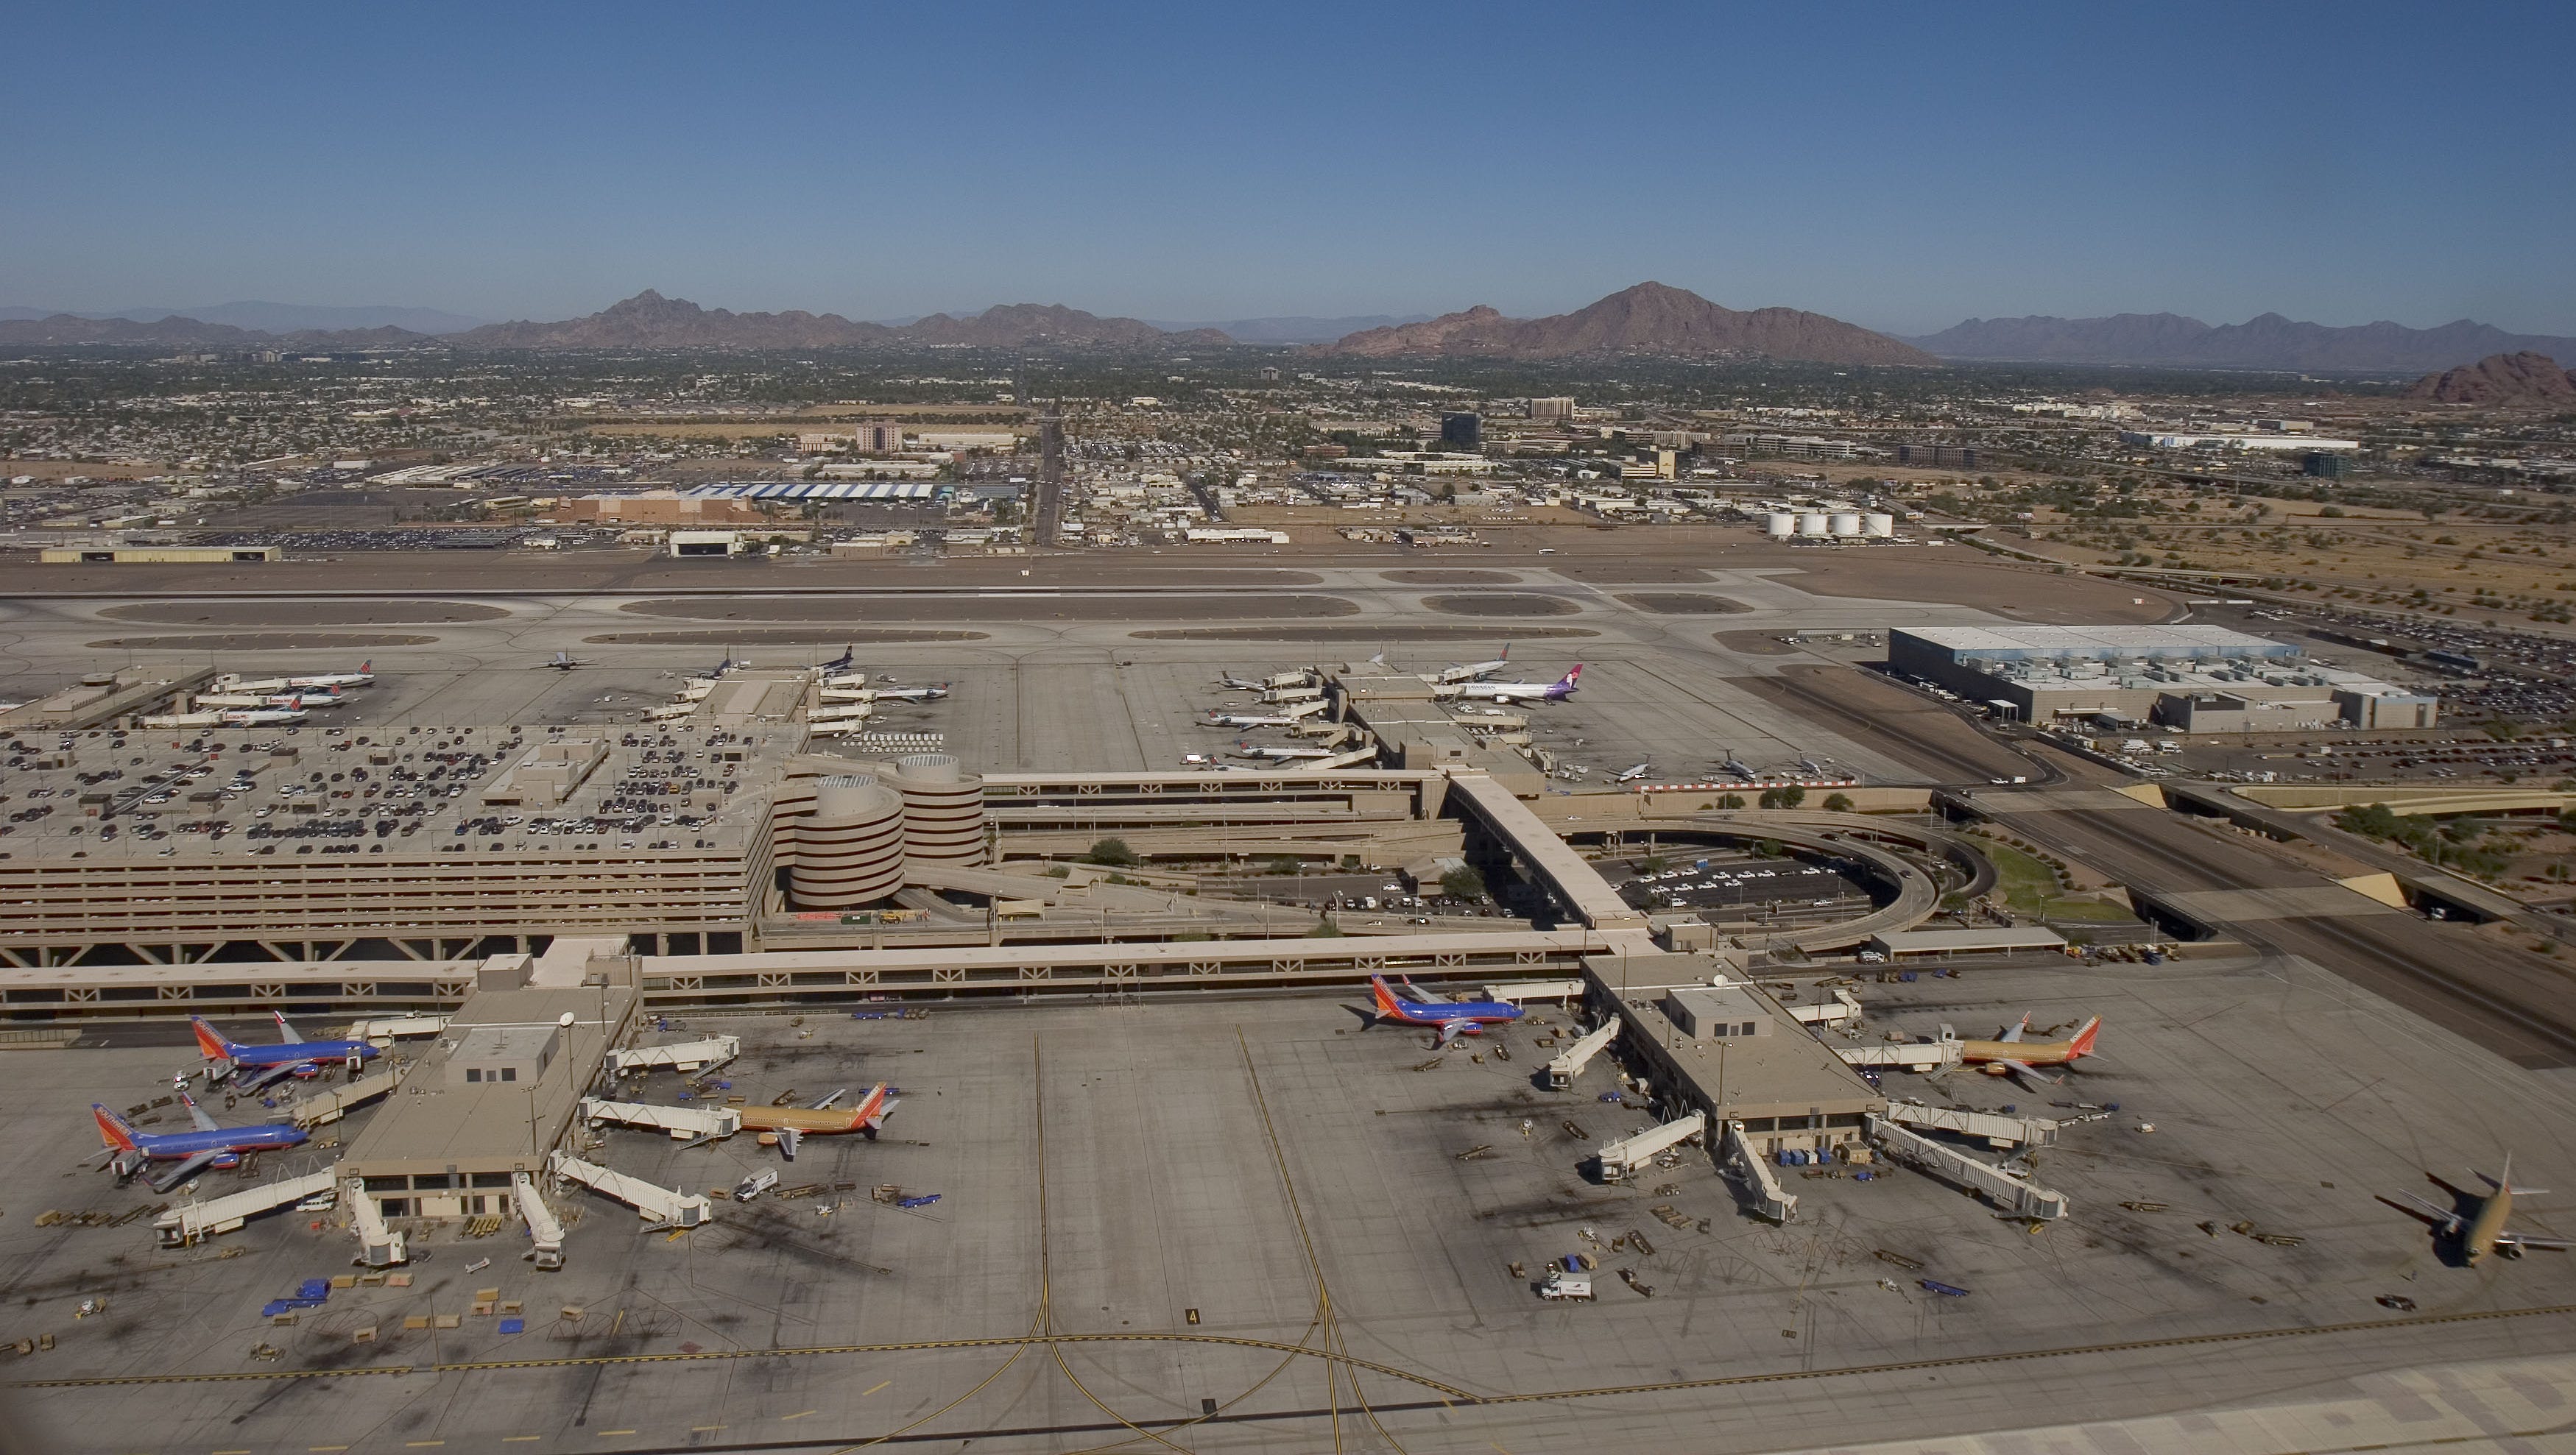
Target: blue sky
<point>1901,166</point>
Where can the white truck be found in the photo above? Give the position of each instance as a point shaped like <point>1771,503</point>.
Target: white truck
<point>1560,1284</point>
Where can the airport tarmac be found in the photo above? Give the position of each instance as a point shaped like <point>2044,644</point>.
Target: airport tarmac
<point>1108,687</point>
<point>1258,1206</point>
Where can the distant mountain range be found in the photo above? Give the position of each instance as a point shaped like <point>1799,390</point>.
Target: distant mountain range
<point>646,321</point>
<point>190,333</point>
<point>276,318</point>
<point>2503,379</point>
<point>1295,328</point>
<point>1649,318</point>
<point>2268,342</point>
<point>650,321</point>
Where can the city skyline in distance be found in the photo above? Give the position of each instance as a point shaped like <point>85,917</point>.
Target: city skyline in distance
<point>1180,165</point>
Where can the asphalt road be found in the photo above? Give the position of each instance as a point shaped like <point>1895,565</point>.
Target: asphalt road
<point>2519,1005</point>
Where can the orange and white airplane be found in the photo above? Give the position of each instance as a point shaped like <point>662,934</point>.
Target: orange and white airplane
<point>786,1126</point>
<point>2010,1055</point>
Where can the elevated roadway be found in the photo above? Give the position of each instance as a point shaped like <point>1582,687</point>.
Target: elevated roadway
<point>2516,1004</point>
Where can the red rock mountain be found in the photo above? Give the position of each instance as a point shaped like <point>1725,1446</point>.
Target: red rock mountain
<point>1647,319</point>
<point>2524,378</point>
<point>650,321</point>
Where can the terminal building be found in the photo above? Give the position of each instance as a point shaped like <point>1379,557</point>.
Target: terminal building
<point>2186,678</point>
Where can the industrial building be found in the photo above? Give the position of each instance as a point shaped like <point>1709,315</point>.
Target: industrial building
<point>1462,432</point>
<point>154,555</point>
<point>2232,440</point>
<point>2195,679</point>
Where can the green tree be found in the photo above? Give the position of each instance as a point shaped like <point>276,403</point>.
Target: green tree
<point>1110,851</point>
<point>1838,803</point>
<point>1463,882</point>
<point>1731,801</point>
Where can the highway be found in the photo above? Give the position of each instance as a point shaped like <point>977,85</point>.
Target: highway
<point>2517,1004</point>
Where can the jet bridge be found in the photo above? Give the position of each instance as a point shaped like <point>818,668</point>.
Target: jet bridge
<point>193,1222</point>
<point>684,1123</point>
<point>1627,1157</point>
<point>1365,753</point>
<point>379,1246</point>
<point>1997,1130</point>
<point>678,1056</point>
<point>1569,1063</point>
<point>660,1206</point>
<point>1764,1192</point>
<point>2010,1191</point>
<point>1911,1056</point>
<point>330,1106</point>
<point>545,1233</point>
<point>1844,1007</point>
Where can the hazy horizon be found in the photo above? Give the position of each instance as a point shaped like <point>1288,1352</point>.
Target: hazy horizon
<point>1900,169</point>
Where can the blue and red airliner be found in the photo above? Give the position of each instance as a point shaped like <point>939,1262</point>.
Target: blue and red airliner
<point>1454,1018</point>
<point>253,1067</point>
<point>210,1145</point>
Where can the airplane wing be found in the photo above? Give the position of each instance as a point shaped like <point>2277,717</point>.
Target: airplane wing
<point>188,1167</point>
<point>2024,1068</point>
<point>2522,1241</point>
<point>1451,1030</point>
<point>2014,1032</point>
<point>826,1103</point>
<point>204,1122</point>
<point>2425,1212</point>
<point>788,1138</point>
<point>255,1078</point>
<point>285,1032</point>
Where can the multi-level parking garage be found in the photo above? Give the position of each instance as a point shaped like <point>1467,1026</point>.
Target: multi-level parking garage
<point>752,901</point>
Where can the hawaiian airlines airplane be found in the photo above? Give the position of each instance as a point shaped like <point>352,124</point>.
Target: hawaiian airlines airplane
<point>1556,691</point>
<point>210,1145</point>
<point>1454,1018</point>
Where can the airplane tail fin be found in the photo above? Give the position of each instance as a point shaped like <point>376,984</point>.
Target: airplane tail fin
<point>2082,1045</point>
<point>210,1041</point>
<point>2503,1181</point>
<point>1385,997</point>
<point>367,666</point>
<point>1567,682</point>
<point>113,1128</point>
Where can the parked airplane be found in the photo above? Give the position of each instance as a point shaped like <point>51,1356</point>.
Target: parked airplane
<point>564,662</point>
<point>1249,720</point>
<point>1633,772</point>
<point>210,1145</point>
<point>842,663</point>
<point>792,1124</point>
<point>293,701</point>
<point>365,674</point>
<point>1225,678</point>
<point>720,668</point>
<point>1280,755</point>
<point>1475,671</point>
<point>1455,1018</point>
<point>253,1067</point>
<point>1556,691</point>
<point>914,694</point>
<point>2013,1056</point>
<point>262,717</point>
<point>2485,1232</point>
